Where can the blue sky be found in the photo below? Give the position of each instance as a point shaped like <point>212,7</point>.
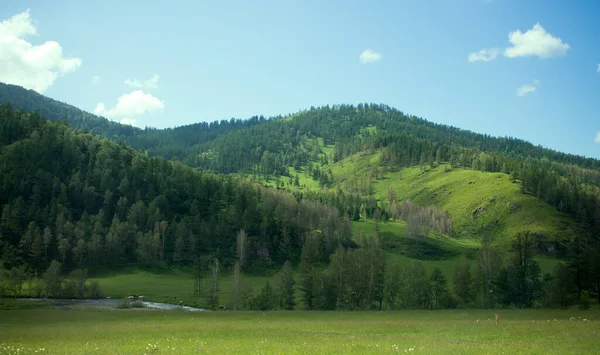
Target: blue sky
<point>178,62</point>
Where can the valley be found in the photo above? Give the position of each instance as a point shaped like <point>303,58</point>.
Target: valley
<point>306,177</point>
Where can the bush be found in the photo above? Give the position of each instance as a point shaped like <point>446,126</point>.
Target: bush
<point>69,289</point>
<point>93,290</point>
<point>585,301</point>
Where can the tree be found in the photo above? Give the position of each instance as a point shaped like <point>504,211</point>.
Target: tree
<point>36,251</point>
<point>414,227</point>
<point>561,289</point>
<point>242,248</point>
<point>338,272</point>
<point>53,279</point>
<point>212,295</point>
<point>488,266</point>
<point>439,289</point>
<point>578,263</point>
<point>391,195</point>
<point>63,248</point>
<point>16,277</point>
<point>462,280</point>
<point>308,271</point>
<point>78,277</point>
<point>182,253</point>
<point>286,287</point>
<point>47,240</point>
<point>524,272</point>
<point>265,300</point>
<point>414,286</point>
<point>392,285</point>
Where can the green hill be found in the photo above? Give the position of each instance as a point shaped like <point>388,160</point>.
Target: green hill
<point>349,187</point>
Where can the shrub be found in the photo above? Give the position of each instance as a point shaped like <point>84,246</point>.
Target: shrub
<point>93,290</point>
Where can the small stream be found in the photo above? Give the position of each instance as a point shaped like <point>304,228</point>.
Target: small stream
<point>107,303</point>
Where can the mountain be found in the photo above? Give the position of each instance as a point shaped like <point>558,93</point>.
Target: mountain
<point>352,195</point>
<point>86,201</point>
<point>309,147</point>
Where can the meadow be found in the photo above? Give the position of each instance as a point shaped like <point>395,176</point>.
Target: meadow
<point>94,331</point>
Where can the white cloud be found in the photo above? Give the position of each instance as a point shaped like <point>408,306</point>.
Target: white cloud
<point>369,56</point>
<point>129,106</point>
<point>151,83</point>
<point>95,80</point>
<point>598,68</point>
<point>133,104</point>
<point>484,55</point>
<point>22,63</point>
<point>597,139</point>
<point>535,42</point>
<point>527,88</point>
<point>127,121</point>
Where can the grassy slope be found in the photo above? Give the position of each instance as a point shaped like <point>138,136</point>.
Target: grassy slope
<point>478,202</point>
<point>76,331</point>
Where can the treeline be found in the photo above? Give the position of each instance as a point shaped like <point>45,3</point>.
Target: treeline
<point>53,282</point>
<point>29,100</point>
<point>87,202</point>
<point>176,143</point>
<point>359,278</point>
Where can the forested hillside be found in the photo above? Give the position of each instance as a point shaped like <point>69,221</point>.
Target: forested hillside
<point>29,100</point>
<point>283,146</point>
<point>567,182</point>
<point>86,201</point>
<point>344,176</point>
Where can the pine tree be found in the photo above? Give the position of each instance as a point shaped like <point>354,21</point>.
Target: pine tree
<point>463,283</point>
<point>286,289</point>
<point>47,240</point>
<point>36,251</point>
<point>439,289</point>
<point>308,272</point>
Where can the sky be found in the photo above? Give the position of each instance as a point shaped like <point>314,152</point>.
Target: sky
<point>519,68</point>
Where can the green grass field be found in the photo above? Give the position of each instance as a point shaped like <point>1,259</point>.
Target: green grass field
<point>91,331</point>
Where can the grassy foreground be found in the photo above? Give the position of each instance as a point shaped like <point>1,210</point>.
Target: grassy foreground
<point>89,331</point>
